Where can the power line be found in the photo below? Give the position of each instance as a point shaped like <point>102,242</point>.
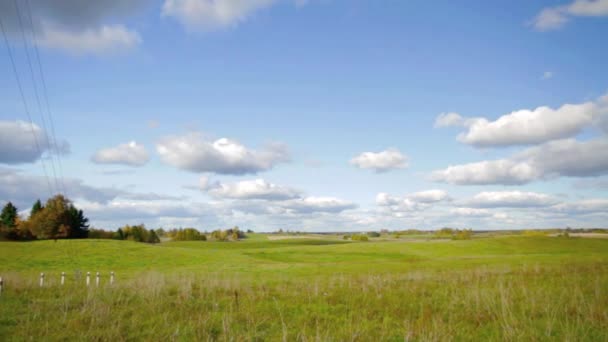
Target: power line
<point>37,96</point>
<point>27,111</point>
<point>46,99</point>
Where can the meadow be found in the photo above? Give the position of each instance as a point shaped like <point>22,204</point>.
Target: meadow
<point>310,288</point>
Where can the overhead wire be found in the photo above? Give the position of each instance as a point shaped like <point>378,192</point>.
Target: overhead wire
<point>46,100</point>
<point>37,96</point>
<point>26,107</point>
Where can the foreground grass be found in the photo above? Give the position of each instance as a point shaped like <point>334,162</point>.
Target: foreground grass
<point>486,289</point>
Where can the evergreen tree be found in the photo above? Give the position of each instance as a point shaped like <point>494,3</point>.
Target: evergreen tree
<point>8,218</point>
<point>79,225</point>
<point>36,208</point>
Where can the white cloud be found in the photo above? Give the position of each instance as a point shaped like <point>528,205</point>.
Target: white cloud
<point>22,142</point>
<point>417,201</point>
<point>587,206</point>
<point>547,75</point>
<point>223,156</point>
<point>383,161</point>
<point>502,171</point>
<point>24,189</point>
<point>476,212</point>
<point>131,153</point>
<point>318,204</point>
<point>429,196</point>
<point>107,39</point>
<point>526,127</point>
<point>252,189</point>
<point>78,27</point>
<point>510,199</point>
<point>555,17</point>
<point>207,15</point>
<point>449,120</point>
<point>550,18</point>
<point>561,158</point>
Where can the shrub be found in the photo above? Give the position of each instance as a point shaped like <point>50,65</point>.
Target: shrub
<point>373,234</point>
<point>359,237</point>
<point>187,234</point>
<point>138,233</point>
<point>533,233</point>
<point>464,234</point>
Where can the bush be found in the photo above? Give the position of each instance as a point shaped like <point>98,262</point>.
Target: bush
<point>228,234</point>
<point>359,237</point>
<point>373,234</point>
<point>464,234</point>
<point>533,233</point>
<point>187,234</point>
<point>137,233</point>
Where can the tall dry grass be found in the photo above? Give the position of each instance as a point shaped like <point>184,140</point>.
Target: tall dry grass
<point>527,302</point>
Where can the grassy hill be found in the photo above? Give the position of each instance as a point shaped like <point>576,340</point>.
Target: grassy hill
<point>493,288</point>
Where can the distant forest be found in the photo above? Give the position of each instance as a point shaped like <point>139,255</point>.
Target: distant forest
<point>58,218</point>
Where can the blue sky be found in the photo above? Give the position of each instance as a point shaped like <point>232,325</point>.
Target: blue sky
<point>310,115</point>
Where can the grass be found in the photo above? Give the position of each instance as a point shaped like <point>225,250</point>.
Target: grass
<point>495,288</point>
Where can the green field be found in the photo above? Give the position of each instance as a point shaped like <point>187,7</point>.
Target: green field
<point>305,289</point>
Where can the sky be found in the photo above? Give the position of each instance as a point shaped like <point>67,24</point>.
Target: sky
<point>308,115</point>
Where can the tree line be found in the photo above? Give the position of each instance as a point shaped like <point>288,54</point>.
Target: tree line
<point>58,218</point>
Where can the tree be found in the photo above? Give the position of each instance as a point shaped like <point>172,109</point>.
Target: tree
<point>8,222</point>
<point>36,208</point>
<point>8,218</point>
<point>152,237</point>
<point>79,225</point>
<point>58,219</point>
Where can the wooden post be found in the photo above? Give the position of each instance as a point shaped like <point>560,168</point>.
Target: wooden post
<point>111,278</point>
<point>88,278</point>
<point>1,285</point>
<point>97,280</point>
<point>41,279</point>
<point>62,278</point>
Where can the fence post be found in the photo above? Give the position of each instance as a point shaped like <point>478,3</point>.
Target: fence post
<point>1,285</point>
<point>111,278</point>
<point>62,278</point>
<point>97,280</point>
<point>41,279</point>
<point>88,278</point>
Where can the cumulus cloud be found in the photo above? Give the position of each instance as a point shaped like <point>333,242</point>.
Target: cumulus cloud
<point>510,199</point>
<point>139,210</point>
<point>223,156</point>
<point>106,39</point>
<point>551,18</point>
<point>449,120</point>
<point>251,189</point>
<point>131,154</point>
<point>417,201</point>
<point>429,196</point>
<point>383,161</point>
<point>587,206</point>
<point>209,15</point>
<point>318,204</point>
<point>75,26</point>
<point>526,127</point>
<point>24,189</point>
<point>22,142</point>
<point>547,75</point>
<point>560,158</point>
<point>478,213</point>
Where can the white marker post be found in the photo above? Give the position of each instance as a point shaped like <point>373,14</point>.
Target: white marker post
<point>62,278</point>
<point>88,278</point>
<point>97,280</point>
<point>111,278</point>
<point>41,279</point>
